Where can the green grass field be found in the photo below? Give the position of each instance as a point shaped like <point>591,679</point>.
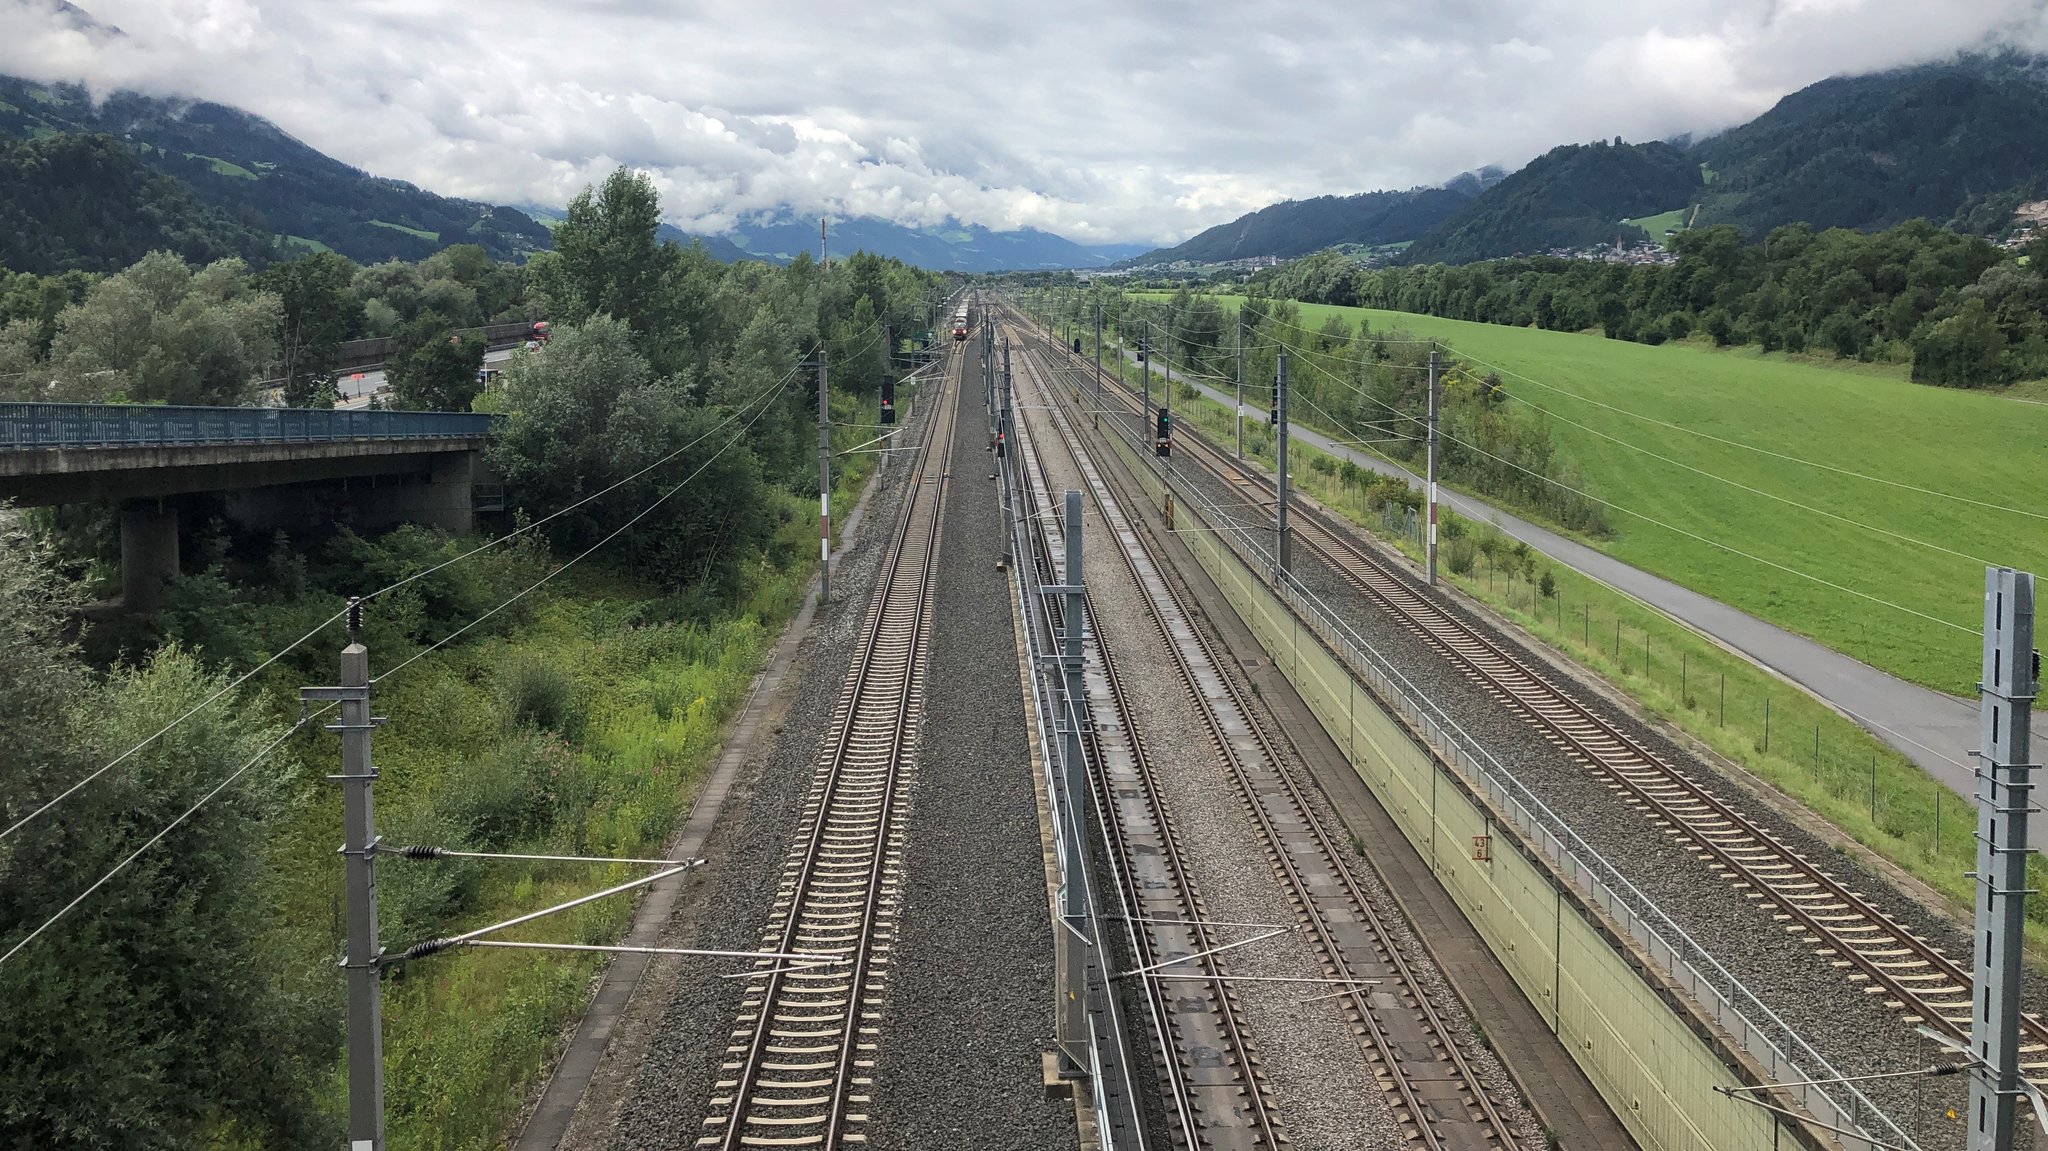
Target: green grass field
<point>434,236</point>
<point>1660,223</point>
<point>223,167</point>
<point>1979,447</point>
<point>1870,793</point>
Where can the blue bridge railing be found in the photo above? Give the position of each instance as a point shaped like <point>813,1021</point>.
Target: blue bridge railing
<point>46,426</point>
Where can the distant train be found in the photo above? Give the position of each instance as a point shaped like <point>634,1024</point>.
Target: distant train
<point>960,324</point>
<point>1162,444</point>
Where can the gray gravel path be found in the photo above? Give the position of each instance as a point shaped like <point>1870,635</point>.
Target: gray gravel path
<point>668,1096</point>
<point>971,983</point>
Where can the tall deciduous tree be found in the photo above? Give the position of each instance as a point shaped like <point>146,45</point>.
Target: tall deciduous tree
<point>608,262</point>
<point>316,313</point>
<point>162,332</point>
<point>144,1015</point>
<point>432,368</point>
<point>590,413</point>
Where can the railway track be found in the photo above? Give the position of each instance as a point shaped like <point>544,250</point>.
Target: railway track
<point>1872,949</point>
<point>1209,1070</point>
<point>802,1050</point>
<point>1434,1093</point>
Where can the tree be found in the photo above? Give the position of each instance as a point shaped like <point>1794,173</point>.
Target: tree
<point>316,313</point>
<point>161,332</point>
<point>143,1016</point>
<point>1965,351</point>
<point>859,359</point>
<point>608,262</point>
<point>591,413</point>
<point>431,368</point>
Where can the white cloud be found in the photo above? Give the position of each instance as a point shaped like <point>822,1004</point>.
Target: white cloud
<point>1143,121</point>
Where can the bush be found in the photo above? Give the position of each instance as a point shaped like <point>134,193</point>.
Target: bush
<point>1547,584</point>
<point>538,693</point>
<point>1462,554</point>
<point>511,795</point>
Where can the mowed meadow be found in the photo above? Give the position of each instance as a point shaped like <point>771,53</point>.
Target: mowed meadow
<point>1728,471</point>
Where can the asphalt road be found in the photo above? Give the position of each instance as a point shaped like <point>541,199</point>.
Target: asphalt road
<point>1933,729</point>
<point>358,387</point>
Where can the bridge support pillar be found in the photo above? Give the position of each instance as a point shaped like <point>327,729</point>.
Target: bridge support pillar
<point>149,553</point>
<point>444,501</point>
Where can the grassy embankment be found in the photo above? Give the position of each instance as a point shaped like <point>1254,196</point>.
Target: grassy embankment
<point>584,727</point>
<point>1980,447</point>
<point>1829,764</point>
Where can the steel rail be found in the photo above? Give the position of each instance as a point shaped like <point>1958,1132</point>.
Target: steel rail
<point>1408,1042</point>
<point>1923,983</point>
<point>1150,868</point>
<point>803,1033</point>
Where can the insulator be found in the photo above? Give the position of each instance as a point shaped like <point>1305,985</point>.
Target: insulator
<point>430,947</point>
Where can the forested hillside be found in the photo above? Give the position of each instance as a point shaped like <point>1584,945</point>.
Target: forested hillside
<point>87,203</point>
<point>1298,227</point>
<point>1961,143</point>
<point>953,245</point>
<point>1868,152</point>
<point>248,168</point>
<point>1570,197</point>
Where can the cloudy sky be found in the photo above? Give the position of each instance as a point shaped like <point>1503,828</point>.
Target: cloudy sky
<point>1139,120</point>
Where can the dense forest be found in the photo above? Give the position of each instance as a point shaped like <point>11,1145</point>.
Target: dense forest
<point>1959,310</point>
<point>88,203</point>
<point>1868,152</point>
<point>192,1002</point>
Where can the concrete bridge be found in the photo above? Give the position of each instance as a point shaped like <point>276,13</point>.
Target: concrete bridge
<point>271,466</point>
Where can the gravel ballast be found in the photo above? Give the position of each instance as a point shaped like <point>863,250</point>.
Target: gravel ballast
<point>970,997</point>
<point>1323,1088</point>
<point>1855,1031</point>
<point>673,1085</point>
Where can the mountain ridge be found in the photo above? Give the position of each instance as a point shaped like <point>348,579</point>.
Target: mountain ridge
<point>251,182</point>
<point>1959,141</point>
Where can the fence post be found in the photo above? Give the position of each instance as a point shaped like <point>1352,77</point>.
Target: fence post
<point>1723,721</point>
<point>1767,724</point>
<point>1873,787</point>
<point>1684,658</point>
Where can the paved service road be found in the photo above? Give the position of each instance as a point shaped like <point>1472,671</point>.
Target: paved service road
<point>1933,729</point>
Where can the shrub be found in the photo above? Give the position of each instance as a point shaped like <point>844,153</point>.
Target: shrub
<point>538,693</point>
<point>1462,554</point>
<point>1547,584</point>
